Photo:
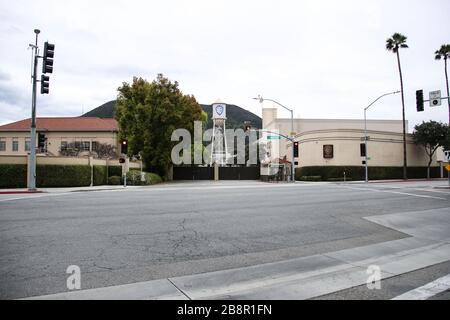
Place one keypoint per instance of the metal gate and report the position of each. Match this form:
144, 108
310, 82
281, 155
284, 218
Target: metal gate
193, 173
239, 173
207, 173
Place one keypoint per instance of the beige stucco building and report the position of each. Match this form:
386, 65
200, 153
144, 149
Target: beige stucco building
86, 132
341, 140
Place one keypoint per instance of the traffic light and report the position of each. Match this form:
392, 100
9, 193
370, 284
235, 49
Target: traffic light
47, 62
419, 100
362, 148
295, 149
124, 146
41, 141
247, 126
45, 84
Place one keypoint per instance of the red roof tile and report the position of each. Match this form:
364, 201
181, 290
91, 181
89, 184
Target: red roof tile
64, 124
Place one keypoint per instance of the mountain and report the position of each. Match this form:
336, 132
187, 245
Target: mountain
235, 114
106, 110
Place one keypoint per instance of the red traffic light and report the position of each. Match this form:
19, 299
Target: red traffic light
124, 146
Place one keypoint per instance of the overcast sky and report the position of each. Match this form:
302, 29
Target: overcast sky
324, 59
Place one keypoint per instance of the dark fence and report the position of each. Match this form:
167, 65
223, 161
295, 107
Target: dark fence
239, 173
207, 173
193, 173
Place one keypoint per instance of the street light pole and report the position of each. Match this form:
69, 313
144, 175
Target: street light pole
365, 132
261, 100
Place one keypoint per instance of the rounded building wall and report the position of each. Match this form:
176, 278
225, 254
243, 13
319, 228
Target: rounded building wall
383, 149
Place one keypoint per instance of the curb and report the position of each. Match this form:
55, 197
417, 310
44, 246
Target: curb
20, 192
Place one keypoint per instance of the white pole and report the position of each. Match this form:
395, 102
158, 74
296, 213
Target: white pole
365, 146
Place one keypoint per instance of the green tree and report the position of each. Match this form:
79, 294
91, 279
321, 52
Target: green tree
444, 53
394, 44
148, 113
446, 142
431, 135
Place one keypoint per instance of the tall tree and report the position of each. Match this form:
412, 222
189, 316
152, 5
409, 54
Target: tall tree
444, 53
394, 44
148, 113
431, 135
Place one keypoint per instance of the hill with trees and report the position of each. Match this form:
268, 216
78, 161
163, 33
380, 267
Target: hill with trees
235, 114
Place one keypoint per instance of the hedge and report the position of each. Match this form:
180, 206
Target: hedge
63, 176
15, 176
100, 177
114, 171
358, 172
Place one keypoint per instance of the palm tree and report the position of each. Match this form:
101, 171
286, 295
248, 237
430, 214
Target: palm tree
393, 44
444, 53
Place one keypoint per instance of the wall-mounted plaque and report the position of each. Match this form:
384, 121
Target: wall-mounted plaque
328, 152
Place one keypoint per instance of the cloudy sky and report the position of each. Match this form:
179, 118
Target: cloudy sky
324, 59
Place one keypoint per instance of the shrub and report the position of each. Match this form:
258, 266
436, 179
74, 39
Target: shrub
153, 178
134, 178
114, 180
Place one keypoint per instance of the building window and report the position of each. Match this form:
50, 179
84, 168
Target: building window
86, 146
94, 145
27, 145
328, 152
63, 145
2, 145
15, 145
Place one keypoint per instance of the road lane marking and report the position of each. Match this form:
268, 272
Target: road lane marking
427, 291
428, 190
396, 192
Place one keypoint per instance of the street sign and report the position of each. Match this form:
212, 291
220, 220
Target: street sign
447, 167
447, 155
435, 98
273, 137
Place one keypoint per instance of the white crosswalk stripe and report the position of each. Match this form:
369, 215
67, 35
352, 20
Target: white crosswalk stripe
427, 291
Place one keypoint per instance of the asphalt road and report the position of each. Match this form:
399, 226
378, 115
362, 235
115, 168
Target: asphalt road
126, 236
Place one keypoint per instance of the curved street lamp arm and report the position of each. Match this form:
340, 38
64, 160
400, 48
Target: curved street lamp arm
386, 94
264, 99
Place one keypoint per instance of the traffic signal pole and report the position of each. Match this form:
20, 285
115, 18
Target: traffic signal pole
32, 161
